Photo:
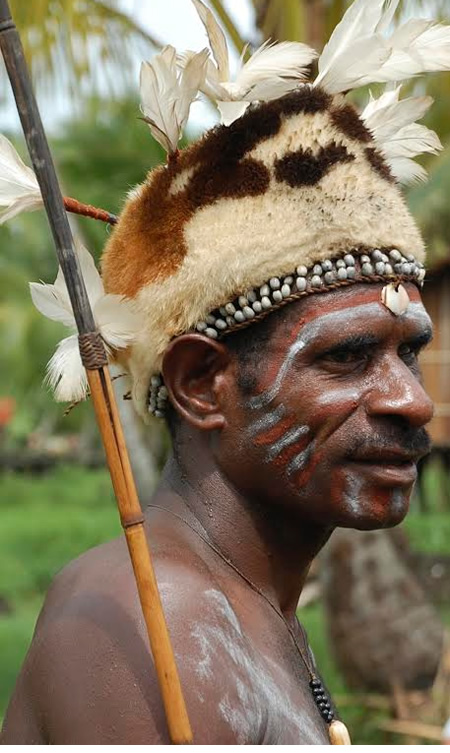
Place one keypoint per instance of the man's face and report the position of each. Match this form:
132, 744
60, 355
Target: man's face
334, 423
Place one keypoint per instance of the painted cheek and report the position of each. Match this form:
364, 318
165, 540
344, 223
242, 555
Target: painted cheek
282, 441
290, 453
274, 433
302, 469
300, 476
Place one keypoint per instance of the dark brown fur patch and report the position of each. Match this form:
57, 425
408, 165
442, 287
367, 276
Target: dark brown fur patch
246, 178
307, 100
347, 120
303, 168
378, 163
232, 143
148, 242
260, 122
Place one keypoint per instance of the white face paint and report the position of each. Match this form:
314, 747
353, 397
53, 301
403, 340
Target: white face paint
337, 320
352, 494
300, 461
288, 439
267, 421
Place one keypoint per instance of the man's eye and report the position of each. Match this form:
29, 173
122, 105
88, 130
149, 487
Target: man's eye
347, 356
344, 356
408, 353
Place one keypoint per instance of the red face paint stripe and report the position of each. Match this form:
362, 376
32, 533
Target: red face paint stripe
302, 477
275, 433
290, 452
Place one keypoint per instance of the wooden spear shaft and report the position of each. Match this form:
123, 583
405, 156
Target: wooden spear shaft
94, 358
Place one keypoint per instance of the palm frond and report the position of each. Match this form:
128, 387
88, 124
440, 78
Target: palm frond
69, 43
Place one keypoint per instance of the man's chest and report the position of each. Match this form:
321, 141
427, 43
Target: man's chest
255, 684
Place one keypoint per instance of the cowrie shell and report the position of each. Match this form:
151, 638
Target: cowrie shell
396, 299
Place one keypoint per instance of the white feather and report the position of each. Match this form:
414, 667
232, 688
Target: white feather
166, 96
231, 110
406, 171
116, 320
49, 302
387, 16
19, 189
345, 49
386, 118
360, 20
191, 78
211, 85
66, 374
53, 300
419, 46
264, 91
273, 70
272, 62
356, 66
90, 274
114, 316
216, 38
412, 140
398, 136
389, 96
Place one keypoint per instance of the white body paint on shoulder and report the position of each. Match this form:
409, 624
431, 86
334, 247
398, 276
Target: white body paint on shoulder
252, 701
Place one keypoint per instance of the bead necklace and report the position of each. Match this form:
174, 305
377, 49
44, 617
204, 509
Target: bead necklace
337, 730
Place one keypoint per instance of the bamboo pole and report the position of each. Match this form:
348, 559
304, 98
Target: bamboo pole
95, 361
133, 524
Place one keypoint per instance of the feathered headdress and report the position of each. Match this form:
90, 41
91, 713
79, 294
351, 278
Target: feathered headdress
295, 193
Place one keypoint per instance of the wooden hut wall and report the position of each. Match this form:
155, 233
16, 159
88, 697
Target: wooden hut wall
435, 361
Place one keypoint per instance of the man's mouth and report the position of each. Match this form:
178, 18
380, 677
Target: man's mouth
387, 467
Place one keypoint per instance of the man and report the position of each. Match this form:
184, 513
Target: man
284, 426
248, 498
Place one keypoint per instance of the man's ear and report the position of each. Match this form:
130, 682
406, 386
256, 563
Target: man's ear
196, 370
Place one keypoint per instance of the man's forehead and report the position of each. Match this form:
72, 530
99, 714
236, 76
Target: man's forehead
357, 303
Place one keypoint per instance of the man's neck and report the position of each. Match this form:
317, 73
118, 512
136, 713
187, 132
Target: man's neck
272, 547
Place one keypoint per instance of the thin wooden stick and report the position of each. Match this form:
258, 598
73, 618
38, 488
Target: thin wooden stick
132, 521
94, 359
87, 210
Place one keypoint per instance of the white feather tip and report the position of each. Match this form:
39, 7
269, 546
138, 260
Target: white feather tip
167, 93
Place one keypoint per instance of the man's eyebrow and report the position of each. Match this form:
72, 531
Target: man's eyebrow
353, 343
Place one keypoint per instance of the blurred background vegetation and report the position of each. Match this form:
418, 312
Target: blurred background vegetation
56, 498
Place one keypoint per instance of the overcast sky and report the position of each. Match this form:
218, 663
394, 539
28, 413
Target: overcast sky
170, 21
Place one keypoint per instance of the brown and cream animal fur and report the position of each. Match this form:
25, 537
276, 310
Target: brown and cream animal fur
294, 181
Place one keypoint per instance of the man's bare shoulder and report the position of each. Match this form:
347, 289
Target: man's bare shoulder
89, 676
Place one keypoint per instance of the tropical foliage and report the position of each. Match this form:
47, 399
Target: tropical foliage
100, 158
77, 47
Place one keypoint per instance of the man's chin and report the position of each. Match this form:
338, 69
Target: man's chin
383, 508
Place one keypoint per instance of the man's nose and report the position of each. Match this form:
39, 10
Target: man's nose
398, 391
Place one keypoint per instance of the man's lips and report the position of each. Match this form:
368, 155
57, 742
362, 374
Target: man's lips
387, 467
385, 456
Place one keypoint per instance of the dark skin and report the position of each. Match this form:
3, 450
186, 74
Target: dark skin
328, 433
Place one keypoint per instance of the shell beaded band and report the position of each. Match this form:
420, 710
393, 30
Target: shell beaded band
375, 266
